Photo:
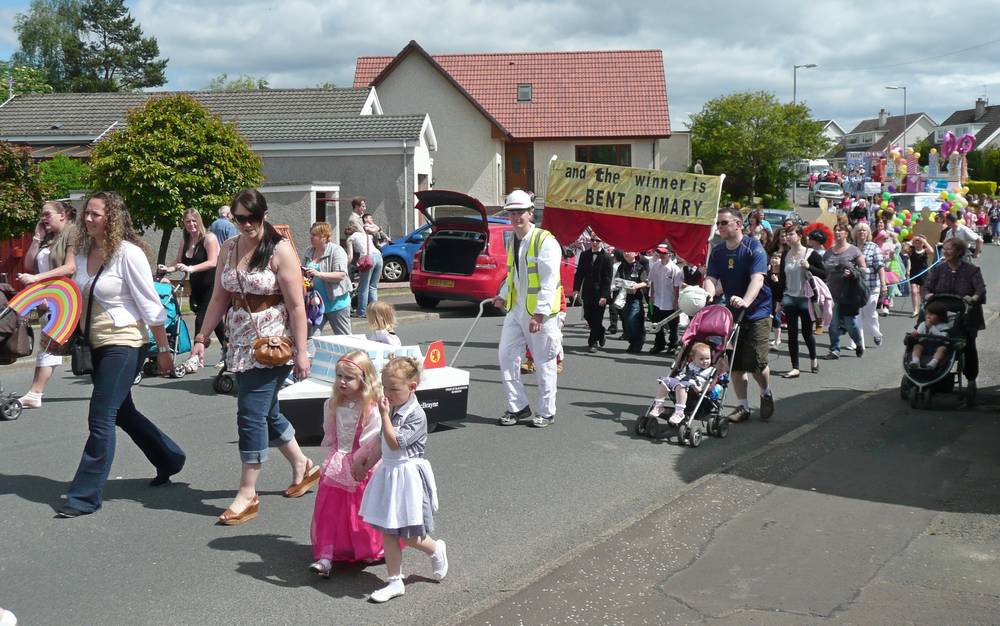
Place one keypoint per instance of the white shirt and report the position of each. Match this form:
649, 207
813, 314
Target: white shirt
125, 289
664, 279
549, 261
967, 235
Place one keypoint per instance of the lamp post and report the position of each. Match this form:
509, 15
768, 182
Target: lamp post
795, 78
903, 87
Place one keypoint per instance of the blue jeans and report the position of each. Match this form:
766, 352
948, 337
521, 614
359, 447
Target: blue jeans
850, 323
995, 229
257, 416
633, 318
111, 404
368, 284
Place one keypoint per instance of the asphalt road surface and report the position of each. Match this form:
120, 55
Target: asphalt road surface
516, 503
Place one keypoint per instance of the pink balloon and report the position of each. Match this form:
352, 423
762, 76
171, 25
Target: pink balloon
966, 144
948, 144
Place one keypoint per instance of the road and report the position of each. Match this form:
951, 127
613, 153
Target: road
518, 505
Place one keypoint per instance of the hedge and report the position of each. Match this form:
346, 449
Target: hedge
977, 187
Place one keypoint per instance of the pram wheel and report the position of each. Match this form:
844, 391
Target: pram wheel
642, 426
149, 368
138, 378
722, 427
223, 384
695, 437
920, 399
904, 388
11, 410
179, 371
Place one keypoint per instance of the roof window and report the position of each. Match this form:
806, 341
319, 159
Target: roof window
524, 93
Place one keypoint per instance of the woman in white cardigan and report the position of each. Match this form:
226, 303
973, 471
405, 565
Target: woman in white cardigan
111, 263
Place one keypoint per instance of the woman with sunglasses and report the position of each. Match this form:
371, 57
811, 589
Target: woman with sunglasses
259, 291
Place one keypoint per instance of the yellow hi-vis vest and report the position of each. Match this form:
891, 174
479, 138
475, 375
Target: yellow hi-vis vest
534, 243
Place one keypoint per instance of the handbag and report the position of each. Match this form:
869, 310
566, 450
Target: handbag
80, 352
365, 261
270, 351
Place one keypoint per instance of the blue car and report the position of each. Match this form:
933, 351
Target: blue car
397, 256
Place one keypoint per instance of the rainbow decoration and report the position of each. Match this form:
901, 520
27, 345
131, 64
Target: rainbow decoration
64, 301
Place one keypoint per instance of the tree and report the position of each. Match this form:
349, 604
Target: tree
755, 140
173, 155
116, 57
49, 38
24, 78
62, 174
21, 191
243, 82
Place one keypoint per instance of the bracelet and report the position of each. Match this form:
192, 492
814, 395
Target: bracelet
202, 339
38, 239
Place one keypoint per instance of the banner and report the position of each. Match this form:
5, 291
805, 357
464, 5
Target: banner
632, 208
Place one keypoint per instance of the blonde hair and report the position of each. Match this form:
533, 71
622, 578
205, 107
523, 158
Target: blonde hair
699, 346
201, 225
381, 315
357, 362
322, 229
404, 368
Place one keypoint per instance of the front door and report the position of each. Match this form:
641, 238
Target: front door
520, 170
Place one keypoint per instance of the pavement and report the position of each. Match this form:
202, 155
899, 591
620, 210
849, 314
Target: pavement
845, 507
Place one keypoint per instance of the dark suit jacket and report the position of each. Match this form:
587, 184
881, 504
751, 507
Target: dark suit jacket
593, 275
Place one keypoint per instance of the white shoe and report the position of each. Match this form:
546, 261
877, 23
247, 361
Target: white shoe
676, 418
7, 618
221, 364
390, 591
31, 400
439, 561
322, 567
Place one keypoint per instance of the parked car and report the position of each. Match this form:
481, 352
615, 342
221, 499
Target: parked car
831, 192
777, 217
464, 257
397, 255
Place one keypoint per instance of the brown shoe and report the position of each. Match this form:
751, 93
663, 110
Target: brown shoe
302, 487
739, 414
231, 518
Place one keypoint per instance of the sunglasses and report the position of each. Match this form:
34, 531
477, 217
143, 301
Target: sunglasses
245, 219
724, 222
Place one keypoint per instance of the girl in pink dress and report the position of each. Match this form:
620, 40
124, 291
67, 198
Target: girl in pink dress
351, 426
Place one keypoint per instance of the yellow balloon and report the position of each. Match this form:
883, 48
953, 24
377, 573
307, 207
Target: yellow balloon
944, 195
965, 190
916, 155
933, 150
909, 151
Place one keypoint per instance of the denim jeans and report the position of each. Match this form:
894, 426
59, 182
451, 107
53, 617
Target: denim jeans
111, 404
634, 323
257, 416
368, 284
850, 323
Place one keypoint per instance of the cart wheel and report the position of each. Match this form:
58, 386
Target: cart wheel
713, 425
696, 437
179, 371
138, 378
904, 388
642, 426
682, 434
723, 427
11, 410
223, 384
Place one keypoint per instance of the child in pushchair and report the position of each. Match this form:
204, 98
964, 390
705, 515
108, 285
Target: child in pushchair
943, 329
698, 381
930, 331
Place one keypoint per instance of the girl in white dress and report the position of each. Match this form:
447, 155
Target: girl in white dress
382, 323
401, 497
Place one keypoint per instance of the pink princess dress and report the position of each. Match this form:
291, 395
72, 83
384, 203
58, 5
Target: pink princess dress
338, 532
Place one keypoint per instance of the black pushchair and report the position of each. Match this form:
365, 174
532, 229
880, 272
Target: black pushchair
17, 340
920, 382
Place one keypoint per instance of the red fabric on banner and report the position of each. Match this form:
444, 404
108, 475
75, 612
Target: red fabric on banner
689, 241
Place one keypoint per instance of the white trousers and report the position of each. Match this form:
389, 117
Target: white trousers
545, 346
868, 319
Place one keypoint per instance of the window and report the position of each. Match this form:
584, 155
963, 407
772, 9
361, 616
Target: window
524, 93
614, 154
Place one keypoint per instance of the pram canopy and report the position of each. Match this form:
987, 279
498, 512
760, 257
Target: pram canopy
714, 321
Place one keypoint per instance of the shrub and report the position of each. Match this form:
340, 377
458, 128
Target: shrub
977, 187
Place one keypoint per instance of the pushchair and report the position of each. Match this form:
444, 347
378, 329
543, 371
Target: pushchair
178, 336
16, 341
919, 382
714, 326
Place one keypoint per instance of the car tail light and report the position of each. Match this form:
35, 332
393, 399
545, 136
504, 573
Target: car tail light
416, 259
485, 262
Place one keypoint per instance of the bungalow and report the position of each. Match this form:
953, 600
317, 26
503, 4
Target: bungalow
501, 117
317, 146
982, 121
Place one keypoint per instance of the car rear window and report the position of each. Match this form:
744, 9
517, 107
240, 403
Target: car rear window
829, 187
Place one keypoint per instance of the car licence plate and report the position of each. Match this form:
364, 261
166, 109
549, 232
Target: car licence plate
438, 282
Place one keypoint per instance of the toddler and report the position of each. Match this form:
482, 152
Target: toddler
382, 323
695, 376
934, 324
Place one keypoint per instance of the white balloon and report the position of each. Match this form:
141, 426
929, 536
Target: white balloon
692, 299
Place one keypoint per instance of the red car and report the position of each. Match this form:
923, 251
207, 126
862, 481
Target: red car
465, 255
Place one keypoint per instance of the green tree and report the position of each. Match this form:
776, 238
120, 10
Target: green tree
173, 155
49, 38
116, 57
754, 140
62, 174
24, 78
243, 82
21, 191
984, 164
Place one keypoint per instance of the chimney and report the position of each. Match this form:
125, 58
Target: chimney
883, 117
980, 109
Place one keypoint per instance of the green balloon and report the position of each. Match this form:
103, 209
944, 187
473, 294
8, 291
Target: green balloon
886, 195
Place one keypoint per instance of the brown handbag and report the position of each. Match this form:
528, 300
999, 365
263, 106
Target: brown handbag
270, 351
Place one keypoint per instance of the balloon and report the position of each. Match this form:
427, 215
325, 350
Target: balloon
907, 222
886, 195
949, 143
916, 155
966, 144
904, 233
892, 205
909, 151
897, 229
965, 190
892, 188
944, 195
884, 204
933, 150
951, 195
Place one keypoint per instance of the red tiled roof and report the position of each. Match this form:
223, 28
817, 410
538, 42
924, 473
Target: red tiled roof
594, 94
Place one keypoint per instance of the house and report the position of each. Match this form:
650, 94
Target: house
982, 121
832, 131
317, 146
501, 117
883, 132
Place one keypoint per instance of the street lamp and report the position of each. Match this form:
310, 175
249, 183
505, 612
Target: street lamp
795, 78
903, 87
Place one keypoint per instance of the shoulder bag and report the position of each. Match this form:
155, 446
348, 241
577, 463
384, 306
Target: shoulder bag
270, 351
365, 261
80, 351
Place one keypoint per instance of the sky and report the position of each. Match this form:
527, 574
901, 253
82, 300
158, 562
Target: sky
946, 53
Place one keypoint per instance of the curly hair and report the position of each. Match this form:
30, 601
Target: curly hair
118, 226
404, 368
